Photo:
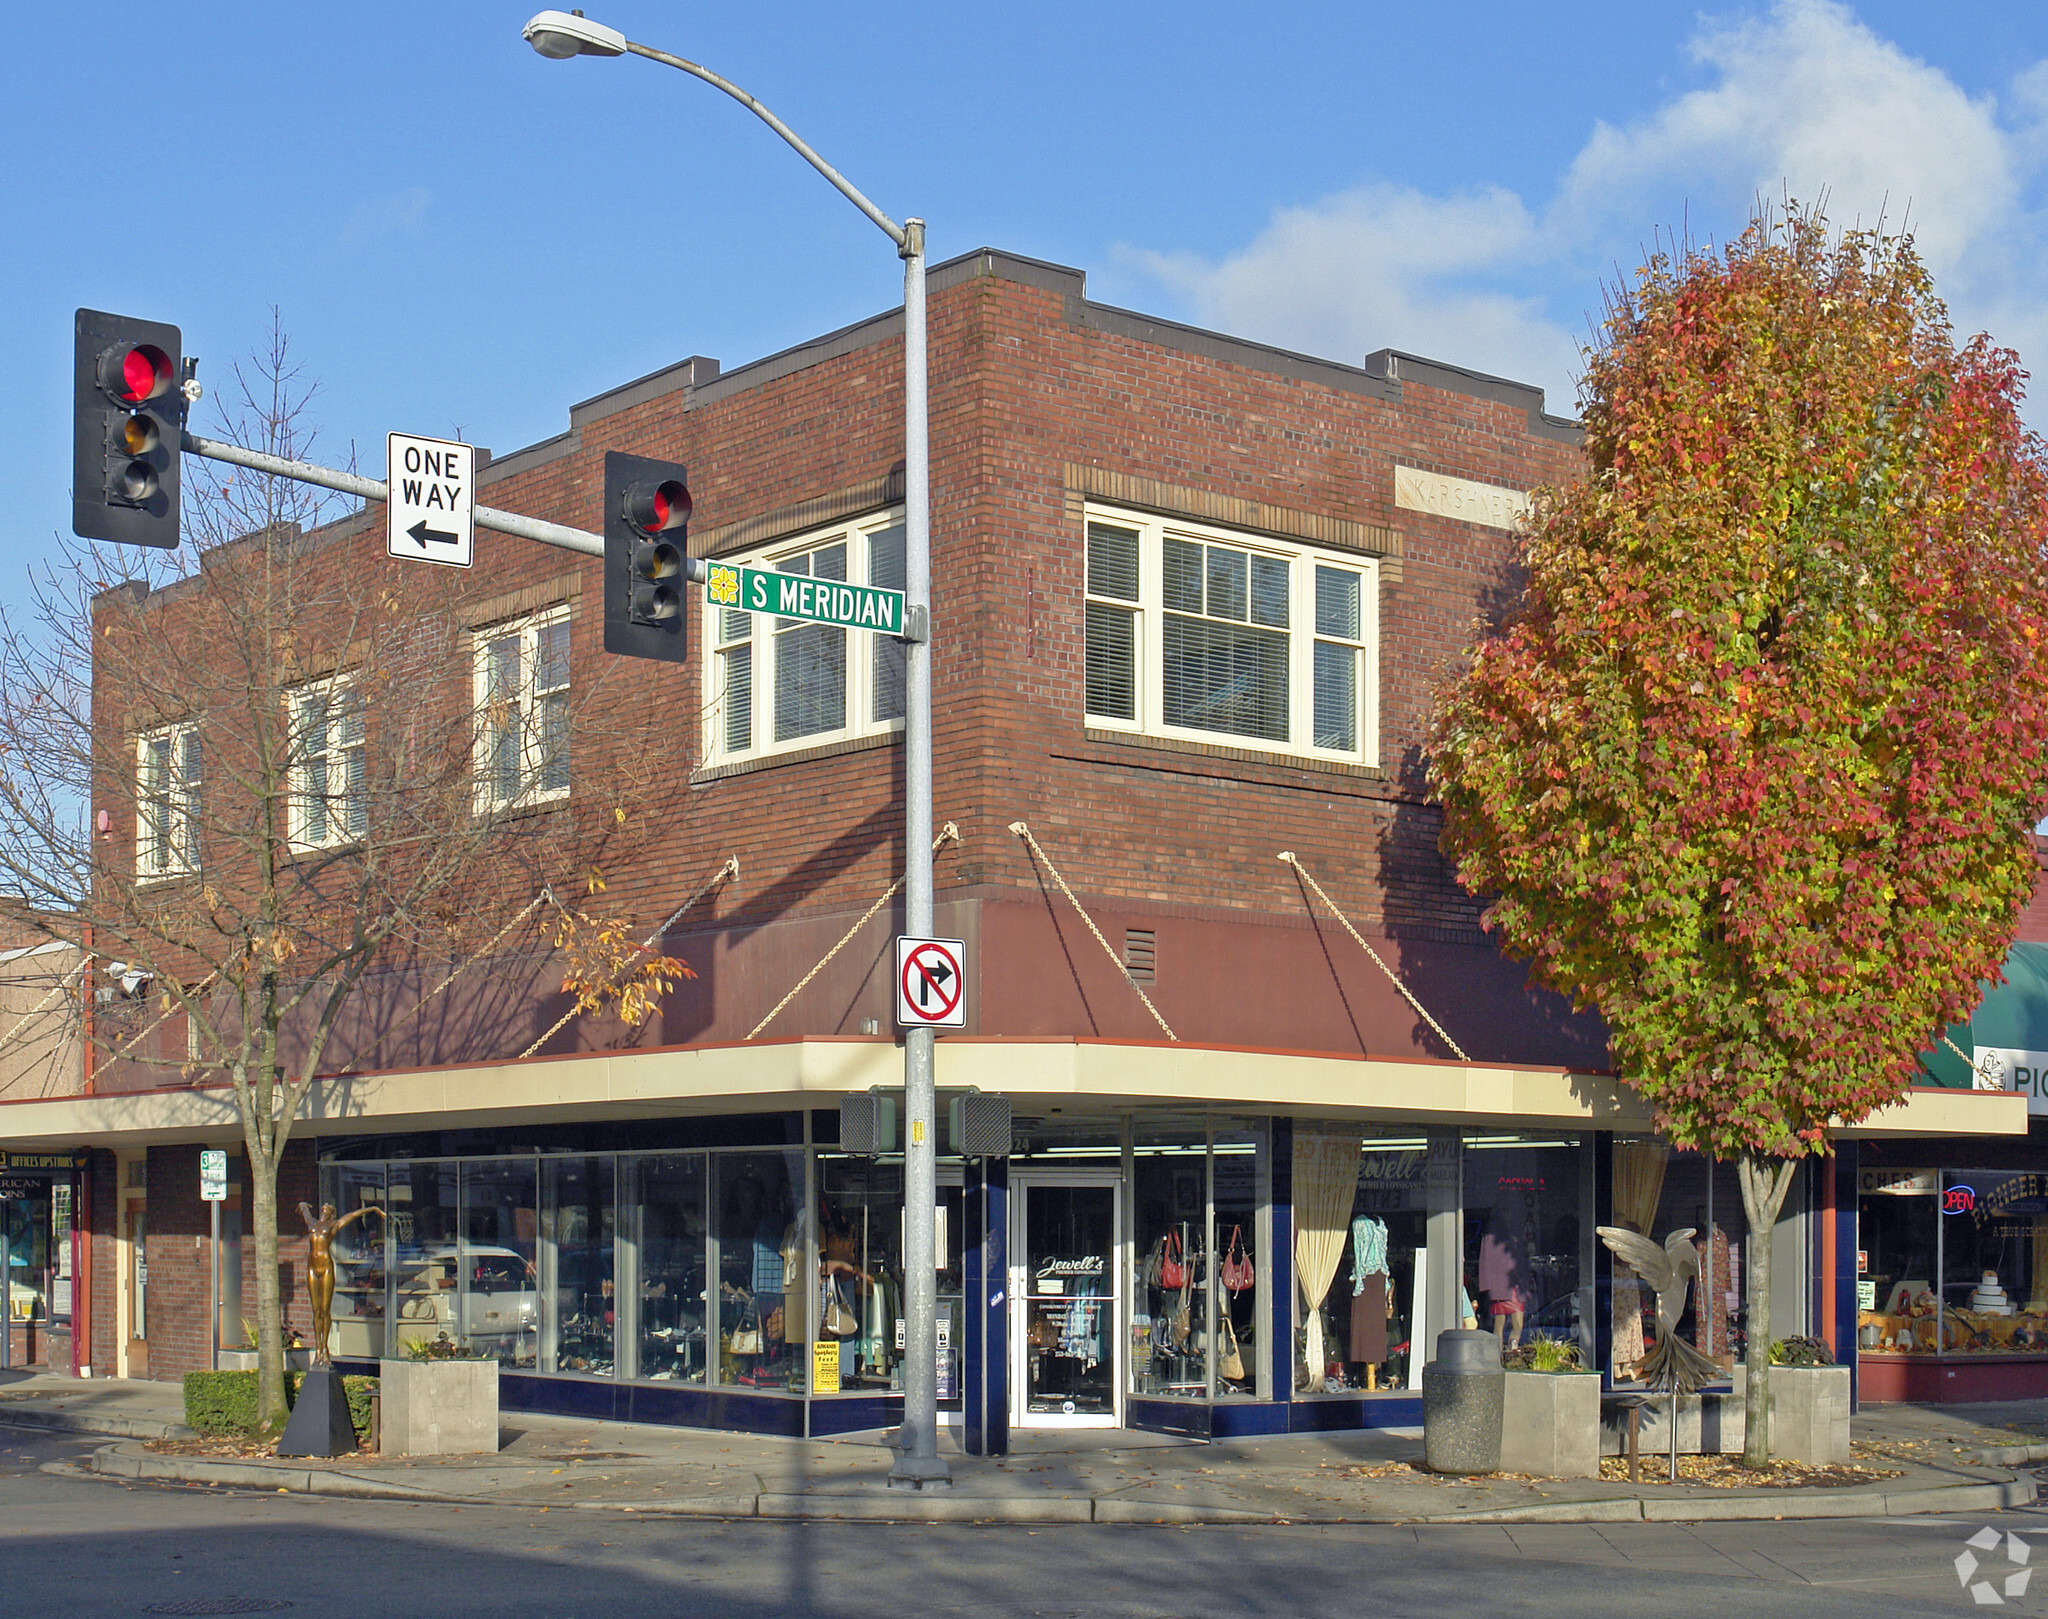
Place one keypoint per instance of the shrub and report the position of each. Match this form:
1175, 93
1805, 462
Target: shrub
442, 1347
1543, 1355
224, 1403
1800, 1352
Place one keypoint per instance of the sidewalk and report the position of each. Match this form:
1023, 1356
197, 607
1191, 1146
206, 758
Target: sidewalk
1948, 1463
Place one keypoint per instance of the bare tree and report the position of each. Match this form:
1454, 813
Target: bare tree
270, 765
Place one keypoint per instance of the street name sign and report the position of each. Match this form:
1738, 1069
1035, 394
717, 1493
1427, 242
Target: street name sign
213, 1175
931, 983
798, 596
428, 517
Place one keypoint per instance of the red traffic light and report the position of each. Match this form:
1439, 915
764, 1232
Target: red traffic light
653, 507
134, 375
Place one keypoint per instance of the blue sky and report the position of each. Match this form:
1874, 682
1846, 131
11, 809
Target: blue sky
465, 238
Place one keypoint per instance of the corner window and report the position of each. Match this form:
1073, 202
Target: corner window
522, 702
167, 802
779, 684
330, 791
1203, 633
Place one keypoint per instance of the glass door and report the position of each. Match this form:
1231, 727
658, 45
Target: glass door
1065, 1336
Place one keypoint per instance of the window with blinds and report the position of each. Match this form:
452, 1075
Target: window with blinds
330, 786
778, 684
1192, 631
167, 802
523, 716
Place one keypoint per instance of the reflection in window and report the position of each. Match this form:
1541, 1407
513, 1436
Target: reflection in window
582, 1305
670, 1212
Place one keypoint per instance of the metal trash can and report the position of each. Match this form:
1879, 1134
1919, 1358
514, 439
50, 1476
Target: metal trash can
1463, 1390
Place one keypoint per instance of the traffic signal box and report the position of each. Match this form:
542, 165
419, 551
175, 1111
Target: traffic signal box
646, 527
128, 418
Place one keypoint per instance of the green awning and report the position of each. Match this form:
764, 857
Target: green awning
2012, 1015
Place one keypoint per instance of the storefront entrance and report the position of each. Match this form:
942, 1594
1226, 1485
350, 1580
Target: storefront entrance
1066, 1298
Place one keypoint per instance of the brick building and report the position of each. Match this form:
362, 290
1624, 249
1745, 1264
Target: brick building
1191, 596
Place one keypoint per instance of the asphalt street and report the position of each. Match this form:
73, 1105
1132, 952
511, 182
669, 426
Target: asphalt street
85, 1546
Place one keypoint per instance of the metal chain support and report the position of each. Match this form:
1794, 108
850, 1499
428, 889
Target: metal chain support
1023, 831
947, 834
36, 1011
545, 897
1420, 1010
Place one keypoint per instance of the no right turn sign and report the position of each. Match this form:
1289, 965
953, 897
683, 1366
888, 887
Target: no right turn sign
931, 983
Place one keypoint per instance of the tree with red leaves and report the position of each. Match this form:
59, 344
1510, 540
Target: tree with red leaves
1752, 768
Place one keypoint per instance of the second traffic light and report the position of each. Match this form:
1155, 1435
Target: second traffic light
646, 557
127, 425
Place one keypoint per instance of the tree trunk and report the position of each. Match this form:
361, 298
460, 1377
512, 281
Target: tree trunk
1765, 1181
271, 1408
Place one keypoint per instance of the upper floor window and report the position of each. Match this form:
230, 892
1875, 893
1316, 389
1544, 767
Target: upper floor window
1203, 633
330, 790
522, 700
167, 802
774, 684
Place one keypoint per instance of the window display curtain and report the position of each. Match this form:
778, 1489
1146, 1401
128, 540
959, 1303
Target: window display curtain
1325, 1182
1638, 1185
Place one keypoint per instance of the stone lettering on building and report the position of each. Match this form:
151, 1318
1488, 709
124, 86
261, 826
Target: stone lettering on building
1461, 499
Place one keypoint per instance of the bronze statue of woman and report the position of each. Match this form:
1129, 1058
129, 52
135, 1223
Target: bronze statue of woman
320, 1233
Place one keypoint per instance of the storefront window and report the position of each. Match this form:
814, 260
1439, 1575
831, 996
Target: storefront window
28, 1256
360, 1290
1170, 1254
763, 1293
667, 1202
424, 1219
1525, 1235
860, 1263
1993, 1245
1237, 1192
577, 1268
1366, 1313
496, 1280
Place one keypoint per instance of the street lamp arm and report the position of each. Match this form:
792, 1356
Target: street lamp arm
896, 233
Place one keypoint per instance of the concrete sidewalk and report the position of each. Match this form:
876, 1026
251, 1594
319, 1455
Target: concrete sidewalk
1948, 1462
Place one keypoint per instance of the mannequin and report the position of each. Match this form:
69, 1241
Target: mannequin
1502, 1267
1372, 1300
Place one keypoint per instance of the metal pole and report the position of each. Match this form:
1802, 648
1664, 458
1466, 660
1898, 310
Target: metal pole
214, 1205
7, 1283
918, 1463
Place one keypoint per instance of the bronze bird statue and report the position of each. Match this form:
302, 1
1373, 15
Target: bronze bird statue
1674, 1364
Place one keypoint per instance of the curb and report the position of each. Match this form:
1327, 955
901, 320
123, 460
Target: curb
2009, 1455
122, 1461
45, 1421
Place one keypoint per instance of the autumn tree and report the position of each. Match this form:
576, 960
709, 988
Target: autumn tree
1752, 767
266, 766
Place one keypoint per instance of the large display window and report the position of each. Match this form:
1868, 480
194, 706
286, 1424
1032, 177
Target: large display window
1952, 1262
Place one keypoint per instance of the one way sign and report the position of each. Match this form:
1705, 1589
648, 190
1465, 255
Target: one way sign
930, 983
433, 492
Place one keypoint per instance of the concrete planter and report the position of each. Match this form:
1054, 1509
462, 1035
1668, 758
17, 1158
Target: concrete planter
1550, 1424
437, 1407
1810, 1414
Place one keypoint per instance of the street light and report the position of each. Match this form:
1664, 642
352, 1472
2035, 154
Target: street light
562, 34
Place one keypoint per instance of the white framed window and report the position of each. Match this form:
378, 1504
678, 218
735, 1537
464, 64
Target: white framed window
329, 781
1217, 636
777, 684
522, 708
167, 780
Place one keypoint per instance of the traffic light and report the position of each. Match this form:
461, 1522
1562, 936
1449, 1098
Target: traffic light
646, 525
128, 417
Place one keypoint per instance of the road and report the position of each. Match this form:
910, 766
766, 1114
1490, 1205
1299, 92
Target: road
82, 1546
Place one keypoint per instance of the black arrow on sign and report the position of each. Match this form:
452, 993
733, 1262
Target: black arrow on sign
440, 536
935, 977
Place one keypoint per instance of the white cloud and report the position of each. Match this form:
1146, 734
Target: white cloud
1384, 267
1804, 99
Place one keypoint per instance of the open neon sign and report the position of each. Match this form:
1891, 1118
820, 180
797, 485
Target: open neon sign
1959, 1200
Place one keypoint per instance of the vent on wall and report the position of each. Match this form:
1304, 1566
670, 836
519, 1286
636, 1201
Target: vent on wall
1139, 950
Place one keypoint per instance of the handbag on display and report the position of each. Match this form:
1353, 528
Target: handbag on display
1229, 1359
1173, 1267
1238, 1274
747, 1341
839, 1321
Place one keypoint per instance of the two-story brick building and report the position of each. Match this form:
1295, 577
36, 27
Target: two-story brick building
1191, 597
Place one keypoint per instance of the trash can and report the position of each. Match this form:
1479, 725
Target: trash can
1462, 1394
